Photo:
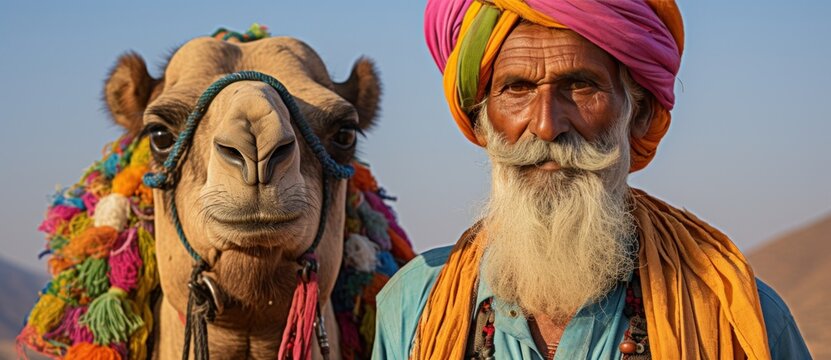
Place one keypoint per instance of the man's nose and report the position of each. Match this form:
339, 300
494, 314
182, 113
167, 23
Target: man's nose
549, 120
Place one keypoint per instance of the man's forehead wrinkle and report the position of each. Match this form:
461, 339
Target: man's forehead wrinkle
549, 68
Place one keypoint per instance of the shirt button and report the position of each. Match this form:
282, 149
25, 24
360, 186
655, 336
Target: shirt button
512, 313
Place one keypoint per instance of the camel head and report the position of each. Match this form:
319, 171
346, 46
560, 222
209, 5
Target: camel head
249, 190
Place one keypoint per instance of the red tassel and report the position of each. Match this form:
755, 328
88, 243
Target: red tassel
297, 336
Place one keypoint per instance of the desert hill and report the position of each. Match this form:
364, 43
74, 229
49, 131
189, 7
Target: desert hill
18, 292
798, 266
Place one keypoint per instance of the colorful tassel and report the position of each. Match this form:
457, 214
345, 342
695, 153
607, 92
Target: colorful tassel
110, 166
137, 345
57, 215
367, 328
125, 262
94, 241
29, 337
110, 318
47, 313
360, 253
90, 201
113, 210
141, 153
375, 224
128, 180
297, 335
87, 351
70, 328
149, 276
92, 273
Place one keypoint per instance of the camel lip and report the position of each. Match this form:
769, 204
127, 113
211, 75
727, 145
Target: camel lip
260, 222
265, 218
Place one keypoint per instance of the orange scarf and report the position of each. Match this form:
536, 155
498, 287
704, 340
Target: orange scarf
699, 292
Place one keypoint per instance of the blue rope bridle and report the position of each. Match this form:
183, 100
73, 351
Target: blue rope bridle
167, 178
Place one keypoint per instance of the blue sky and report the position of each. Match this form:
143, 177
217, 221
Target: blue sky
748, 148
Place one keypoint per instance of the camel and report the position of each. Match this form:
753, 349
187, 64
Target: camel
248, 195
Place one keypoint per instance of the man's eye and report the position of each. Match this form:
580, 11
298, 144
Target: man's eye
161, 139
579, 85
519, 87
345, 138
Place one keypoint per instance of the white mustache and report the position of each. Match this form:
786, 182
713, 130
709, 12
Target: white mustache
571, 151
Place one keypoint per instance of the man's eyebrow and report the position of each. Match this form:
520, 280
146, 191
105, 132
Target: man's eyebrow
581, 74
172, 112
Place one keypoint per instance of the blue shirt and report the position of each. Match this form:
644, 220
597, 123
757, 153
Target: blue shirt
595, 332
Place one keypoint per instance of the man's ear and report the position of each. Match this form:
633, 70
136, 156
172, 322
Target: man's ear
481, 139
643, 116
363, 91
127, 92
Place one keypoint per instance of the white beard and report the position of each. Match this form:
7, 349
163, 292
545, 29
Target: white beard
557, 240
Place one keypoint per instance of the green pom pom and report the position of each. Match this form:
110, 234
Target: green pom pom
258, 31
93, 275
110, 318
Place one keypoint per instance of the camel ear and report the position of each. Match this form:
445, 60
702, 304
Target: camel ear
362, 90
127, 92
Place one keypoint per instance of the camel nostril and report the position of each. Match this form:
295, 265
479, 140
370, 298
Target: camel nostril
234, 157
277, 156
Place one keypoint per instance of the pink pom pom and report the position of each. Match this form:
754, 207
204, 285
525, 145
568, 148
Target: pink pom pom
89, 202
125, 261
57, 215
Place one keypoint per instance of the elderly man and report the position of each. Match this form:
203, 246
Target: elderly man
568, 97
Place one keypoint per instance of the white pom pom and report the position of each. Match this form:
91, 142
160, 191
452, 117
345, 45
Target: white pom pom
112, 210
361, 253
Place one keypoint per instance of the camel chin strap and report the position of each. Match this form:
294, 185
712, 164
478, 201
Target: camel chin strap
204, 303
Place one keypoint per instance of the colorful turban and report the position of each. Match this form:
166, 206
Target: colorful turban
464, 37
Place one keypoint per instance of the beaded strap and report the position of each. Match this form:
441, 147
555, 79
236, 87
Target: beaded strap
635, 344
480, 343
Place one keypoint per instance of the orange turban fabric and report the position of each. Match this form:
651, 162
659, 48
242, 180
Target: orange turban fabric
464, 37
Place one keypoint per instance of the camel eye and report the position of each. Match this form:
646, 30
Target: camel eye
346, 138
161, 139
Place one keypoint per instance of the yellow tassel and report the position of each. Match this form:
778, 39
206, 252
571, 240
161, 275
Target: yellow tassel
148, 281
75, 226
138, 340
367, 328
141, 154
87, 351
79, 224
47, 313
65, 285
149, 275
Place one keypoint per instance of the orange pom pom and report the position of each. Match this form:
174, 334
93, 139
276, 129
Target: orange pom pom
87, 351
363, 179
374, 286
400, 248
94, 241
128, 180
59, 264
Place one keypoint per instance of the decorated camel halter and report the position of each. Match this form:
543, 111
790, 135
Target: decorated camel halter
203, 301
